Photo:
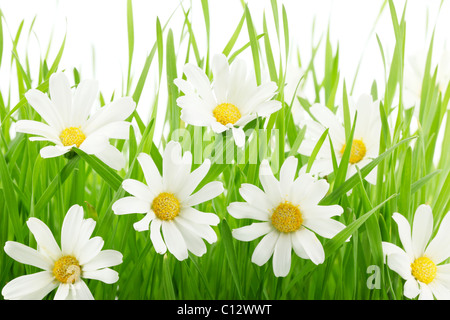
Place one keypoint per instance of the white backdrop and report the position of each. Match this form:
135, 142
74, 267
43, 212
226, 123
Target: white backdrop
100, 26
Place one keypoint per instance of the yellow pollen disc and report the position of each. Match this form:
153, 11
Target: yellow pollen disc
166, 206
287, 217
357, 152
226, 113
67, 269
72, 136
423, 269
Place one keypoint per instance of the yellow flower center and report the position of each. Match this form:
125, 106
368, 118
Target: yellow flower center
67, 269
226, 113
357, 152
72, 136
166, 206
423, 269
287, 217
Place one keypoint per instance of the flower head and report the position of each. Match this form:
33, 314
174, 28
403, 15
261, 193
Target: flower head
365, 145
230, 102
80, 256
167, 202
420, 260
70, 123
290, 216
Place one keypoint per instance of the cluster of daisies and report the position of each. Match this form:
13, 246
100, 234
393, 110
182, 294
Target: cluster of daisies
286, 211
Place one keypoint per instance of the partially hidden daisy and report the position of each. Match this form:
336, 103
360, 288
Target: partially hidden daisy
366, 139
289, 215
80, 256
167, 202
230, 102
414, 73
70, 123
421, 262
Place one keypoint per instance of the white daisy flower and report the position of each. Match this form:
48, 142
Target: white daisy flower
414, 73
167, 202
420, 262
290, 216
79, 257
366, 138
70, 124
230, 102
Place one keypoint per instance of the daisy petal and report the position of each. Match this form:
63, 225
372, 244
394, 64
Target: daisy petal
83, 101
174, 240
70, 230
311, 245
105, 275
111, 157
104, 259
44, 238
27, 255
54, 151
208, 192
151, 173
287, 174
137, 189
42, 104
282, 255
40, 284
156, 238
243, 210
404, 231
144, 223
439, 248
61, 95
326, 228
422, 229
37, 128
130, 204
253, 231
200, 217
411, 288
265, 248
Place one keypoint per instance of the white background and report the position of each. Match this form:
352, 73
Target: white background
100, 26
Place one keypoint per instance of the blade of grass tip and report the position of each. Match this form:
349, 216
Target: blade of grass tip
346, 111
276, 19
160, 46
254, 45
205, 8
230, 44
1, 37
57, 60
192, 40
240, 50
335, 243
316, 150
269, 55
173, 111
130, 32
286, 32
230, 254
423, 181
